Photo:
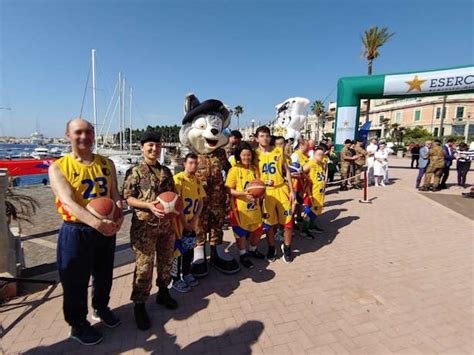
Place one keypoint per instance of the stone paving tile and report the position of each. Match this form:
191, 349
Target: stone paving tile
391, 277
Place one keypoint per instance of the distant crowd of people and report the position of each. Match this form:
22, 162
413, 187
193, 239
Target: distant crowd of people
434, 161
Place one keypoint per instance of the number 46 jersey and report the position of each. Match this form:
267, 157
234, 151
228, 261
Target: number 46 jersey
270, 165
88, 181
192, 193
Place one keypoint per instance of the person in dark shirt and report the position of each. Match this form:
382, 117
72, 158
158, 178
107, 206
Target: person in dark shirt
415, 155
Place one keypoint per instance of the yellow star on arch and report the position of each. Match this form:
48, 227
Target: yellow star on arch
415, 84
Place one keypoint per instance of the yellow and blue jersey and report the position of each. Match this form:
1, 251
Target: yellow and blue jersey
89, 181
270, 166
244, 214
318, 181
192, 193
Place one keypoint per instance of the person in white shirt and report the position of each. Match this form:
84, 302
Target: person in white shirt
380, 165
371, 149
422, 162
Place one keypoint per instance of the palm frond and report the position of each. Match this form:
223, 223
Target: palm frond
20, 207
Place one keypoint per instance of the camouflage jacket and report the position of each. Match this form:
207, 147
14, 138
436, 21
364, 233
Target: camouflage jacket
210, 167
345, 152
436, 157
145, 183
363, 153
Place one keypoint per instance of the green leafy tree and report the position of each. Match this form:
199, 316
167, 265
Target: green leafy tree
372, 40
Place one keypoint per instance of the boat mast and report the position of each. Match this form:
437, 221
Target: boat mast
120, 83
130, 109
123, 114
94, 104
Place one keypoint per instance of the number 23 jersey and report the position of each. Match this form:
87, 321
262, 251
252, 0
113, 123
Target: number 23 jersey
88, 181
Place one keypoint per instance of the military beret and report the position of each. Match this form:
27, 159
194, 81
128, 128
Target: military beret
150, 136
204, 107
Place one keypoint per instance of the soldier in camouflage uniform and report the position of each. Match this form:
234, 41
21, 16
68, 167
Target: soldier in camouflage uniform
150, 233
346, 158
435, 167
359, 163
202, 132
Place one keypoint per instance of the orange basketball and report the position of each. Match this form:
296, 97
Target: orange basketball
102, 208
170, 203
256, 188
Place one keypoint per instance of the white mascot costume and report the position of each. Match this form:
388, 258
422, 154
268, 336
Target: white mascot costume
202, 132
290, 117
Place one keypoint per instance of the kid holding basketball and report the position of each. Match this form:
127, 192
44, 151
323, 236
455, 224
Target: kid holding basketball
245, 213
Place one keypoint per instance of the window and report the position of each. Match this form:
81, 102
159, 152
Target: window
417, 115
438, 113
381, 120
459, 112
435, 133
332, 125
398, 117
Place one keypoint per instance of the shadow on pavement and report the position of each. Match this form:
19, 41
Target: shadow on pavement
158, 340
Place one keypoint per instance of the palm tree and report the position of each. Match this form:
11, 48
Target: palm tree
238, 110
318, 109
397, 133
372, 40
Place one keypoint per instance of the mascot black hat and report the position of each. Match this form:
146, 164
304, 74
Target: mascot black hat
208, 106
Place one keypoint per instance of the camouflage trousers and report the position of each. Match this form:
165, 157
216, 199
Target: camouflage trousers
149, 240
345, 170
432, 172
211, 221
358, 169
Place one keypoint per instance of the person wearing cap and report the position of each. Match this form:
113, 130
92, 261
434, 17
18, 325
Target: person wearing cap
346, 159
371, 149
151, 235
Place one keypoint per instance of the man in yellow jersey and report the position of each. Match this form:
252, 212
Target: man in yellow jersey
151, 235
86, 244
245, 213
313, 206
192, 193
279, 195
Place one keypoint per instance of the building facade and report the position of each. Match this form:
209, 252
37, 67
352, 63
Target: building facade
426, 112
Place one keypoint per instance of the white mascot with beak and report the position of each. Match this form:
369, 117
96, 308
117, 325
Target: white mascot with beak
202, 132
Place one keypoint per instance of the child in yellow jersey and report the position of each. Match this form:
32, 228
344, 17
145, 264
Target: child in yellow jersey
245, 212
315, 203
279, 195
298, 159
192, 193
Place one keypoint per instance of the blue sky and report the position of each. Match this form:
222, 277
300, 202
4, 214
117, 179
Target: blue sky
249, 53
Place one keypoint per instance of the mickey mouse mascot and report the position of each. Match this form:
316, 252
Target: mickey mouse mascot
202, 132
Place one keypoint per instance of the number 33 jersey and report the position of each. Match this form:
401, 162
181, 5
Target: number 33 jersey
88, 181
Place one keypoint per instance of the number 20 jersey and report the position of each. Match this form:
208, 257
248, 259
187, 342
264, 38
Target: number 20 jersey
87, 181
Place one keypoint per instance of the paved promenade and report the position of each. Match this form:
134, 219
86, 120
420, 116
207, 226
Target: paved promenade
394, 276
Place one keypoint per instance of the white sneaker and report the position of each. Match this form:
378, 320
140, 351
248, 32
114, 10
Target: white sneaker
382, 184
181, 286
190, 280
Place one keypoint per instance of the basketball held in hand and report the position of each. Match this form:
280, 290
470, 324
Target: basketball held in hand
104, 208
170, 204
256, 188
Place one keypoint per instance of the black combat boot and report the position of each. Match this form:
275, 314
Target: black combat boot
163, 297
141, 316
225, 266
